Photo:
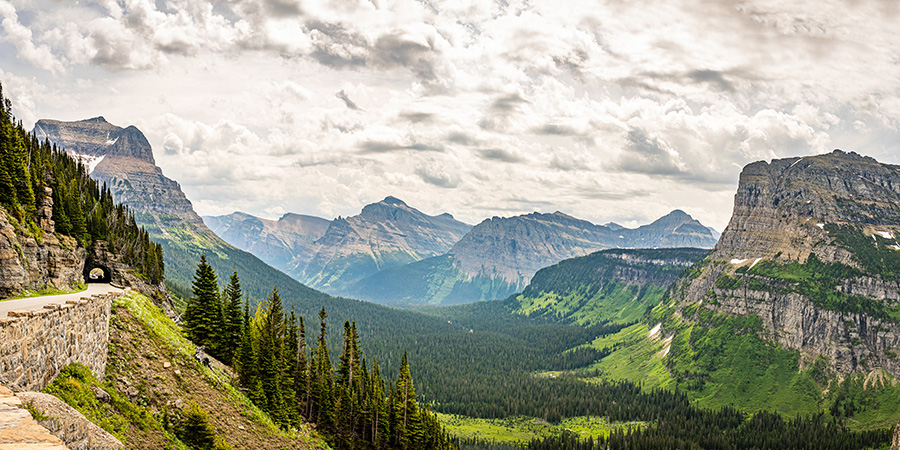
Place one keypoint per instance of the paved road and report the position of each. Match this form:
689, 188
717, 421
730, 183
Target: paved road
35, 303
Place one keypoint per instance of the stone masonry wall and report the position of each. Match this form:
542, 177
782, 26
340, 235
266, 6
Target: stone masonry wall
36, 345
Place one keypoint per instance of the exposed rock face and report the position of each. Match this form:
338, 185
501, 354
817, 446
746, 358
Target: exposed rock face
96, 137
28, 262
514, 248
18, 430
276, 242
781, 213
385, 234
66, 423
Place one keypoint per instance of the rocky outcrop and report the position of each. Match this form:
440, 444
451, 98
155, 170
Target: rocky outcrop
895, 440
37, 259
66, 423
783, 212
276, 242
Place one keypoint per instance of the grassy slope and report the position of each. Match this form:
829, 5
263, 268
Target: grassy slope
142, 341
592, 289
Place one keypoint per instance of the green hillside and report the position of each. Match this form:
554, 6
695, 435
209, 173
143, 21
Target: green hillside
615, 286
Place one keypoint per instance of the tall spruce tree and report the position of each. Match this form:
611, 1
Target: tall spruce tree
271, 358
203, 313
232, 318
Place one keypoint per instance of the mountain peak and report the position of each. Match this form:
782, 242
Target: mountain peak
391, 200
98, 119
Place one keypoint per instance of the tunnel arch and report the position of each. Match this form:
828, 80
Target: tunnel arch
97, 273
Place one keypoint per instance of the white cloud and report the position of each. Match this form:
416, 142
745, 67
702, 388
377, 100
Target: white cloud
620, 111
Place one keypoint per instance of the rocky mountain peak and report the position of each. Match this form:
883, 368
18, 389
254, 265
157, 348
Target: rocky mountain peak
390, 200
96, 138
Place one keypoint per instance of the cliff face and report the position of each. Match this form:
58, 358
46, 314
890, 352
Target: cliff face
31, 260
811, 250
96, 137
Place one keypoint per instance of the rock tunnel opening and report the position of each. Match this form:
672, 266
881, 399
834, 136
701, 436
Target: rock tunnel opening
97, 273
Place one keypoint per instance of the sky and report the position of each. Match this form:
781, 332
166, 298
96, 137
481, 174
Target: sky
606, 110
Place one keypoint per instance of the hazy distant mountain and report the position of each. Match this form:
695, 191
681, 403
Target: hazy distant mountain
499, 256
385, 234
276, 242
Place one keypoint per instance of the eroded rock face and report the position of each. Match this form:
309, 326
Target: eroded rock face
96, 137
781, 213
29, 262
276, 242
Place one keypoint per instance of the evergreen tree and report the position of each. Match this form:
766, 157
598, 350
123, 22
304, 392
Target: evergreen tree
271, 358
232, 318
203, 316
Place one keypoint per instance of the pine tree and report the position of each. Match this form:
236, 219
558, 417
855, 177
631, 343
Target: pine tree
271, 358
203, 311
231, 316
322, 389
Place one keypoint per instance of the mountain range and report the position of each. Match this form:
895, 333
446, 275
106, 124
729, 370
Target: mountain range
394, 254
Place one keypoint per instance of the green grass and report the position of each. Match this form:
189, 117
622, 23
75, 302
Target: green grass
74, 387
617, 302
637, 358
47, 290
520, 430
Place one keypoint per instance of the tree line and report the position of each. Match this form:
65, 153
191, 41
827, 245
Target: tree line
353, 406
82, 208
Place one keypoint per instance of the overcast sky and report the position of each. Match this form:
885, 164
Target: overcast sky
606, 110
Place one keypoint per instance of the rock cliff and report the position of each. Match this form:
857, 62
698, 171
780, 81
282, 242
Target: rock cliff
36, 259
811, 250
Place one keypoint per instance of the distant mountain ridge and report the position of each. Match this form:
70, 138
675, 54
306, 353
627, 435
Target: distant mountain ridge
498, 257
393, 253
276, 242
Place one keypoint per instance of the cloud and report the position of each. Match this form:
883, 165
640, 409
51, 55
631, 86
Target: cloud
369, 147
350, 104
21, 37
660, 108
501, 155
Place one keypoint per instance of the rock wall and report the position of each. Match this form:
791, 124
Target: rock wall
30, 263
36, 345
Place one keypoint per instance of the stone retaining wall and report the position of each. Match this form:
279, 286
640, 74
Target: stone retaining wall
36, 345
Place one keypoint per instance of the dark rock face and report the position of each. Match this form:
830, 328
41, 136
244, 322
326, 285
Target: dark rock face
781, 211
96, 137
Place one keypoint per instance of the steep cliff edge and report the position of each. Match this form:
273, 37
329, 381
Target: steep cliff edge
811, 251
